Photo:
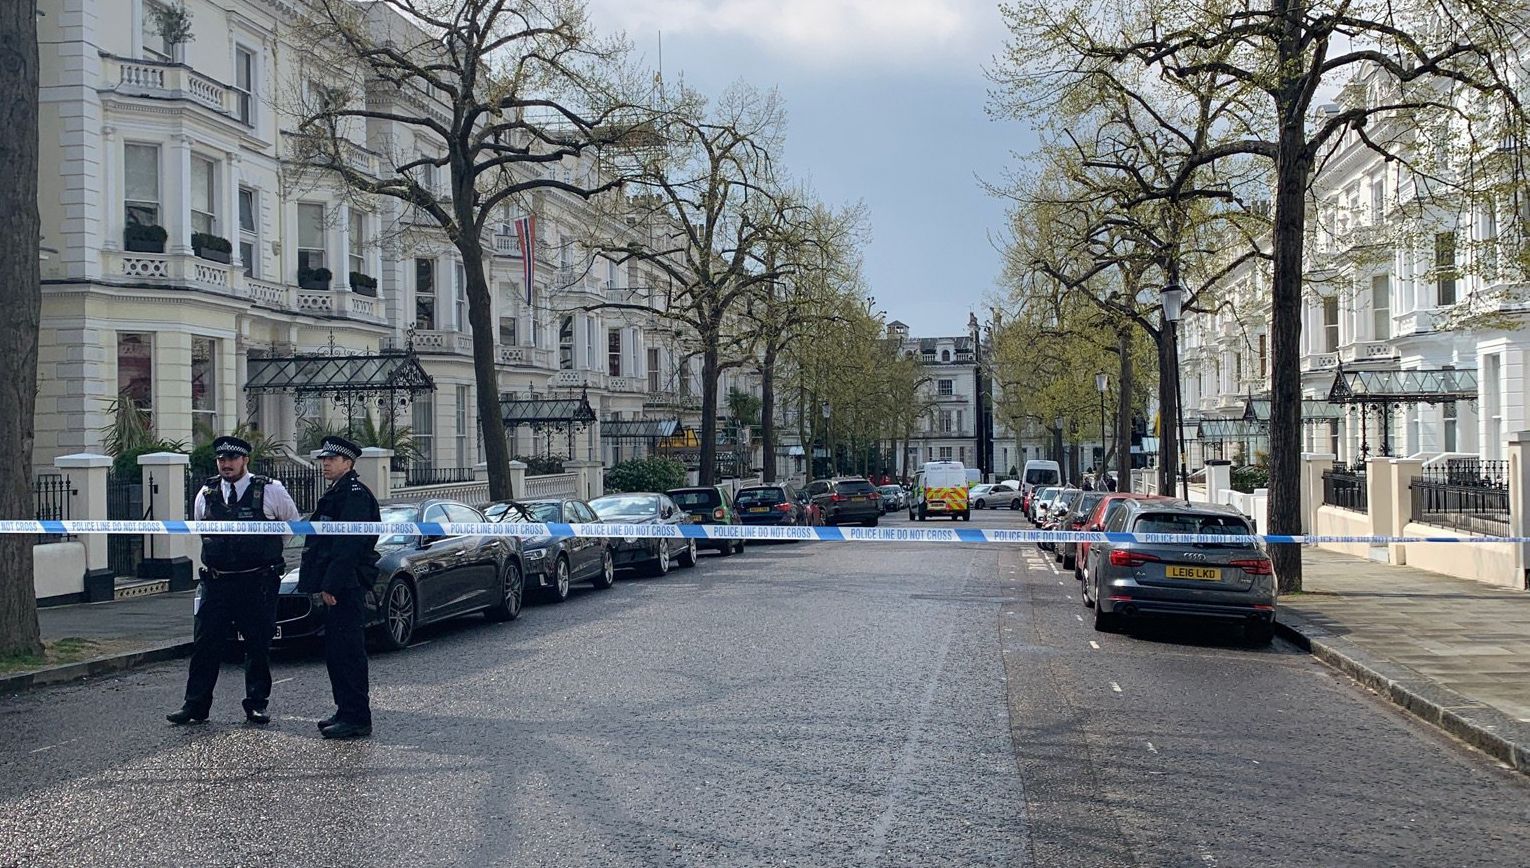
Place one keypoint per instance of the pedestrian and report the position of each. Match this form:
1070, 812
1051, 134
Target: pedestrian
339, 568
241, 574
1110, 482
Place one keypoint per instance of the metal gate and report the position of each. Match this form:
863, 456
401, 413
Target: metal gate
124, 502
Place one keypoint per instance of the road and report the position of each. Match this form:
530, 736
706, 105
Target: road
801, 705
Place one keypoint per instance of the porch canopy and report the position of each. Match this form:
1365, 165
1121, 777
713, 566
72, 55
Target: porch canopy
388, 372
546, 410
637, 429
1421, 386
1230, 429
1256, 408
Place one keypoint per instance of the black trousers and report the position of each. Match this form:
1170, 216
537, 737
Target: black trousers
248, 602
345, 655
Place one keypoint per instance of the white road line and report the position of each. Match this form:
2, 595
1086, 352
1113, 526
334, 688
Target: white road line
282, 681
1059, 581
1116, 687
1152, 749
1092, 644
1080, 618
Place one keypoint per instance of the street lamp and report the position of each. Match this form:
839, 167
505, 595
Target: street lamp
1173, 297
828, 444
1101, 383
1057, 423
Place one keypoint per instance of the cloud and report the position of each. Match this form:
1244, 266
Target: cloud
817, 32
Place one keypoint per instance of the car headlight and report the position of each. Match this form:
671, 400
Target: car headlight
536, 554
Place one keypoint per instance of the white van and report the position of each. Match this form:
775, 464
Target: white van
1040, 474
940, 488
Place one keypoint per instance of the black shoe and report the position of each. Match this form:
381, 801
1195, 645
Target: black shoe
185, 716
329, 721
257, 716
347, 730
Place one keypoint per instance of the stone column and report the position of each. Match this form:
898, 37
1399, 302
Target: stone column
518, 479
167, 556
1403, 472
342, 268
230, 216
112, 217
1218, 479
178, 202
1380, 504
590, 485
87, 474
1518, 455
374, 468
1313, 465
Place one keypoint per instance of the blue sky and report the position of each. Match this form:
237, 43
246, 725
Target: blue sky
885, 100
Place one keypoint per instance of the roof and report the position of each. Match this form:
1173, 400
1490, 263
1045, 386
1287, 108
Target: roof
650, 429
530, 411
1422, 385
1257, 409
1230, 429
387, 371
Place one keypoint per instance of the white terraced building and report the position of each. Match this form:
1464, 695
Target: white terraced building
191, 138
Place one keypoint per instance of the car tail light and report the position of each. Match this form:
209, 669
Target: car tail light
719, 514
836, 497
1078, 523
876, 496
1254, 566
783, 507
1124, 558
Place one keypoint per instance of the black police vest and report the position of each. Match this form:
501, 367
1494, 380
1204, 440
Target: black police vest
234, 552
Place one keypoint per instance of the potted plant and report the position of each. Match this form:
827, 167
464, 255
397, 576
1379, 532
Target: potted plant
213, 247
144, 238
363, 284
314, 278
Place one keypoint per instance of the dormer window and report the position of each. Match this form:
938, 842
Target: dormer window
945, 355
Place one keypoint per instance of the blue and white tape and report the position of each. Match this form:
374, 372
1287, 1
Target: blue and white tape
697, 531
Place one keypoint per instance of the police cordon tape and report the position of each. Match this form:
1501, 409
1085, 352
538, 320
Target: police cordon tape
694, 531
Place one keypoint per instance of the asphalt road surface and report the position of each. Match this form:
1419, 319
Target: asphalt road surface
799, 705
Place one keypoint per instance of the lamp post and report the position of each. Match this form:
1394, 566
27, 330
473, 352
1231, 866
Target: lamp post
828, 444
1102, 383
1057, 441
1173, 297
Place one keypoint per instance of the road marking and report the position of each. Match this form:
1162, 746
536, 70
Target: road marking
52, 746
1080, 618
1152, 749
421, 644
1059, 581
282, 681
1092, 644
1116, 687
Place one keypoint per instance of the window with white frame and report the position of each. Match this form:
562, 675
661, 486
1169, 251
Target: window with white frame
244, 85
1331, 324
310, 236
1378, 199
204, 387
944, 388
204, 196
945, 453
141, 185
566, 344
155, 45
464, 458
423, 428
1381, 307
425, 294
653, 370
249, 234
1448, 413
358, 241
1489, 240
614, 352
1445, 268
945, 421
459, 297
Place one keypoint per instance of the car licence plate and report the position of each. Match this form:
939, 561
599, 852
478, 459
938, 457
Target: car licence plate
857, 499
759, 509
1199, 574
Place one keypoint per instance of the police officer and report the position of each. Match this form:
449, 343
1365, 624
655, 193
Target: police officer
241, 575
340, 569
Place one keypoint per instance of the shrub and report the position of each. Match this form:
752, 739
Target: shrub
141, 232
360, 281
645, 474
206, 241
1246, 479
541, 465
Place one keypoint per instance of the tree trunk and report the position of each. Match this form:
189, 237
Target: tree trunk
1291, 171
21, 295
768, 415
1168, 417
491, 418
1124, 414
709, 374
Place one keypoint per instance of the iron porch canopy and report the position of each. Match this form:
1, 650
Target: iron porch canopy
1421, 386
638, 429
1230, 429
386, 372
1257, 409
546, 411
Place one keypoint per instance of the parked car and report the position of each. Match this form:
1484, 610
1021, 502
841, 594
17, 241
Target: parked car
1057, 512
847, 499
653, 555
1231, 582
710, 504
554, 563
777, 505
1104, 508
420, 579
892, 498
810, 508
1040, 501
994, 496
1078, 515
940, 488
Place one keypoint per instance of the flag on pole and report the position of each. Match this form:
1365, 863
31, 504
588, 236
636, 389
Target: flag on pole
526, 233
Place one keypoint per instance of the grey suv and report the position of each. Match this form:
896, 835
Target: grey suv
850, 499
1231, 582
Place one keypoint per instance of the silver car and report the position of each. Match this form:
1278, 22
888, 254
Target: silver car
1041, 503
1231, 582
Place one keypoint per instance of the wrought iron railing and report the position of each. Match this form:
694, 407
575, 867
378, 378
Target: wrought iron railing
1466, 494
51, 495
1345, 487
124, 501
424, 474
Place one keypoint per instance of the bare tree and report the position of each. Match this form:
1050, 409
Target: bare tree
21, 295
499, 90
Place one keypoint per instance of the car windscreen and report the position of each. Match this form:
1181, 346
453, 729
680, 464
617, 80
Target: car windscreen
761, 496
890, 489
1088, 502
626, 506
856, 486
1041, 476
1070, 498
693, 500
1189, 522
546, 511
1046, 494
392, 514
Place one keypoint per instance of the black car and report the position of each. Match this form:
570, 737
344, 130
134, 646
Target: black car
653, 555
553, 563
710, 504
850, 499
421, 579
779, 505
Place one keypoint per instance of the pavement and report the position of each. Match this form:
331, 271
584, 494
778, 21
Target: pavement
806, 705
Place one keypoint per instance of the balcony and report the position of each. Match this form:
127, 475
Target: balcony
184, 271
444, 342
1367, 351
159, 80
1320, 361
355, 156
577, 380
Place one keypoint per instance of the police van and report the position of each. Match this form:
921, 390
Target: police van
940, 488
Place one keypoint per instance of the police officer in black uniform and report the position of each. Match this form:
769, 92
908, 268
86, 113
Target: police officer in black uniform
340, 569
241, 575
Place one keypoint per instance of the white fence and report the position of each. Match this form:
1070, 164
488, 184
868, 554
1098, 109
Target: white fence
477, 493
554, 485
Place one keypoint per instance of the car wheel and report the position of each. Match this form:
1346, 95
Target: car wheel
911, 514
607, 576
727, 548
559, 590
1069, 562
399, 611
689, 558
660, 565
509, 606
1014, 504
979, 504
922, 513
1259, 633
1105, 622
872, 523
739, 547
1084, 592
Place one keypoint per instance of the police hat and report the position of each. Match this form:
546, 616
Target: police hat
339, 446
231, 447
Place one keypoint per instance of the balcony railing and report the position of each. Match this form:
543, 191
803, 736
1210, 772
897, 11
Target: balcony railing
443, 341
1361, 351
164, 81
1320, 361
